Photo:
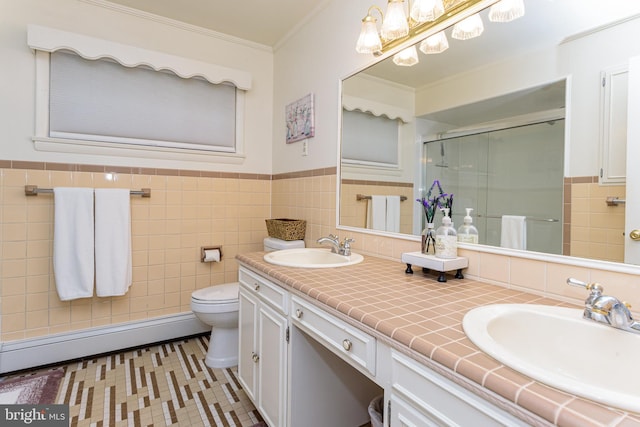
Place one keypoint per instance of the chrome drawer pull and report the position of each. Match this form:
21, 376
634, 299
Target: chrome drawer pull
299, 313
255, 357
346, 344
256, 286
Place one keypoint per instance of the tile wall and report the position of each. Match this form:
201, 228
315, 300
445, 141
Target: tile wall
190, 209
187, 210
597, 230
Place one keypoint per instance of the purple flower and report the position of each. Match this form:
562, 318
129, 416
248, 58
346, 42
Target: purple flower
431, 203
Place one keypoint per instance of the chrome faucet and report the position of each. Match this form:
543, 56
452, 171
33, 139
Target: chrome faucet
606, 309
343, 248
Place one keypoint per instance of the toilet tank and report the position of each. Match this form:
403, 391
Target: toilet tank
273, 244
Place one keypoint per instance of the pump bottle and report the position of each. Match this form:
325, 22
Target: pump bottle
446, 238
467, 233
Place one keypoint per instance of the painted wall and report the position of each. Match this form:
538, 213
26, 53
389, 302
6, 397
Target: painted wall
17, 101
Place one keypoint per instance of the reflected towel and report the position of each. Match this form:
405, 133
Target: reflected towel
379, 212
393, 214
73, 242
514, 232
113, 241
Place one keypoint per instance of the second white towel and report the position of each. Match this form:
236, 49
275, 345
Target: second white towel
393, 214
514, 232
112, 241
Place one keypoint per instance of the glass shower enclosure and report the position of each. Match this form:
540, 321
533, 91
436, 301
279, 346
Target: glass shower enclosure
513, 171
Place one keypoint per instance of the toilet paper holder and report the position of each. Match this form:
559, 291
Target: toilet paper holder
203, 252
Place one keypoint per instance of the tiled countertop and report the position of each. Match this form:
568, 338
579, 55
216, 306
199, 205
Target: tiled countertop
422, 317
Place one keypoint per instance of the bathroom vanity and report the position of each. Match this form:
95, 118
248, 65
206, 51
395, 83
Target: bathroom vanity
317, 345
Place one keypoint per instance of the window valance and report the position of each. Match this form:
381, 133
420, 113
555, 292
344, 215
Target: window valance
50, 40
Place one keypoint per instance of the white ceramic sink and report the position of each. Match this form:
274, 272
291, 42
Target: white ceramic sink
311, 258
557, 347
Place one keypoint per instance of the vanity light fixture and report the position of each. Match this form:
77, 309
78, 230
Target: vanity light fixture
397, 28
406, 57
506, 10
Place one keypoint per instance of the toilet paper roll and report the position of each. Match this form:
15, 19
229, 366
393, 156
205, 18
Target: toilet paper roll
212, 255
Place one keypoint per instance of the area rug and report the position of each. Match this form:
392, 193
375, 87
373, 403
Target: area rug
36, 389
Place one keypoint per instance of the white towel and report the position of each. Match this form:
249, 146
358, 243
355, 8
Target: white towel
113, 241
393, 214
379, 212
514, 232
73, 242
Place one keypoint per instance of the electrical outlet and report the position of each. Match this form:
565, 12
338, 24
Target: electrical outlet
305, 148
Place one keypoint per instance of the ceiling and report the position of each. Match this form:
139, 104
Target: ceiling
259, 21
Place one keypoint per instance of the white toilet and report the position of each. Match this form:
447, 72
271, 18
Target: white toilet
217, 306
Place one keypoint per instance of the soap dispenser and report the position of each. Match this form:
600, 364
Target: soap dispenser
446, 238
467, 233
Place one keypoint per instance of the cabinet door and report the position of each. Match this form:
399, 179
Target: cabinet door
403, 414
247, 353
272, 366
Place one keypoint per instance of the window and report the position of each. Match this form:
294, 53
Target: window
369, 139
100, 100
93, 96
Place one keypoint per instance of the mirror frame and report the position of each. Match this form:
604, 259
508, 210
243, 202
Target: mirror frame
480, 248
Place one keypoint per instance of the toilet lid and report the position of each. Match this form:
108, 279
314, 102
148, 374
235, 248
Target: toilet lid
217, 294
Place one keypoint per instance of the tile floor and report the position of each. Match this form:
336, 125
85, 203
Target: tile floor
162, 385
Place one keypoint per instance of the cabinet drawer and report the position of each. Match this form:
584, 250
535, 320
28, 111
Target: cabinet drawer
267, 291
353, 345
441, 400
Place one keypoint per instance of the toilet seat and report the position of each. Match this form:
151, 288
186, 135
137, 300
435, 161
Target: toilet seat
218, 294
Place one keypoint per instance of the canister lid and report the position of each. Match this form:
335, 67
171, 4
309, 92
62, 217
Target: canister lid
273, 243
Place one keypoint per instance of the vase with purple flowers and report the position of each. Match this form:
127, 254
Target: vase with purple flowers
430, 204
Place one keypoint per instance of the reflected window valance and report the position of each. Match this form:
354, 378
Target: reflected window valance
353, 103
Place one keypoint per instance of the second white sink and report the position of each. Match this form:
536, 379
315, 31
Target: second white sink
557, 347
311, 258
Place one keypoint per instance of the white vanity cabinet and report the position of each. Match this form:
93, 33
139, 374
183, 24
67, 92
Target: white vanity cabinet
323, 371
419, 397
263, 355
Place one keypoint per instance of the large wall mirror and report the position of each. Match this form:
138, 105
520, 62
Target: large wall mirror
527, 120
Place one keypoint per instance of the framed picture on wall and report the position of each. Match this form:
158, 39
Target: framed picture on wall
299, 117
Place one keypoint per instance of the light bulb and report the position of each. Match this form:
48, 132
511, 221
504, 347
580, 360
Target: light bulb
468, 28
394, 23
369, 40
406, 57
436, 43
506, 10
426, 10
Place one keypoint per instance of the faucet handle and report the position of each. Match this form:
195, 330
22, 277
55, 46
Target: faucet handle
593, 287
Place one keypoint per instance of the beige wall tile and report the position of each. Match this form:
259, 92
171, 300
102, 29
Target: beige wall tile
494, 268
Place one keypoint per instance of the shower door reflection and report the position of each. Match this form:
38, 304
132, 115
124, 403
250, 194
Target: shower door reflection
514, 171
